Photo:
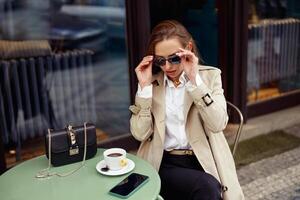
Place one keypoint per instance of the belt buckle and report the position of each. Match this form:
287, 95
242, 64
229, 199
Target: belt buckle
188, 152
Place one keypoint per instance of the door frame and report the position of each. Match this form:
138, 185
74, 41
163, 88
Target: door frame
233, 37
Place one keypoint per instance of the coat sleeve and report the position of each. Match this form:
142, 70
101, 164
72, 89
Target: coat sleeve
141, 124
214, 116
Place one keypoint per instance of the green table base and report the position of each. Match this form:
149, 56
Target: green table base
19, 183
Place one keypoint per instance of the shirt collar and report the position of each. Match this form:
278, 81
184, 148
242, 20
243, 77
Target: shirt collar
169, 83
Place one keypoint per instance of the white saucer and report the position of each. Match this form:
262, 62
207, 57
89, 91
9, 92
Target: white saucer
130, 166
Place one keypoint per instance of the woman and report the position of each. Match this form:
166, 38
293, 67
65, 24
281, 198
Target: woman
179, 115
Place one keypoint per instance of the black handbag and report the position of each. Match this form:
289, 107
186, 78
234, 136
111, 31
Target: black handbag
69, 145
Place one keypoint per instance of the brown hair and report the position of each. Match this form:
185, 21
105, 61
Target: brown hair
168, 29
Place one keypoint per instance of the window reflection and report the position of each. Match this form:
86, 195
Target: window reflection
273, 49
84, 77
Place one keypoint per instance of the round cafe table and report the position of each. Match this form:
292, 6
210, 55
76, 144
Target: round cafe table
19, 183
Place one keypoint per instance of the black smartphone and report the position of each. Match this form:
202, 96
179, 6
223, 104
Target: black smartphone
129, 185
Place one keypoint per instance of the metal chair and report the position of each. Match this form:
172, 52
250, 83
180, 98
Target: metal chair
239, 130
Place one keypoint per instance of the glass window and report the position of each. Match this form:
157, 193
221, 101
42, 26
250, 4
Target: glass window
70, 67
273, 49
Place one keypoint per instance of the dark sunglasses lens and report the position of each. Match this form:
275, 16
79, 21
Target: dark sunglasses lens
174, 59
159, 61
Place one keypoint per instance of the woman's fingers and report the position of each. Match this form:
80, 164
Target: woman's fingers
188, 55
144, 71
144, 63
149, 58
184, 52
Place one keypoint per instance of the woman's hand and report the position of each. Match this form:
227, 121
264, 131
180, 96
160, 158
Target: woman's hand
189, 61
144, 71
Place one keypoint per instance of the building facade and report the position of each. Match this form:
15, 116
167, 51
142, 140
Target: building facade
82, 68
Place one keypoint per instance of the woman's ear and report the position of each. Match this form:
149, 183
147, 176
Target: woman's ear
190, 46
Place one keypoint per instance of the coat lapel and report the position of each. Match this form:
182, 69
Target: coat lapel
158, 107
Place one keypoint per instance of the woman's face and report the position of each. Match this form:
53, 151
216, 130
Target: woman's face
168, 48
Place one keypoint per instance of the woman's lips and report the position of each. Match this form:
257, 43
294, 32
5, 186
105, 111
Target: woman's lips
171, 72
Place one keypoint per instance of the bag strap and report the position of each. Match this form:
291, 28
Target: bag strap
45, 173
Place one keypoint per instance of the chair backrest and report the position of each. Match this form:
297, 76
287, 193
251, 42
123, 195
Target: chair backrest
239, 130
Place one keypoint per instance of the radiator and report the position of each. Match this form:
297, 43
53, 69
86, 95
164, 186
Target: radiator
273, 50
45, 92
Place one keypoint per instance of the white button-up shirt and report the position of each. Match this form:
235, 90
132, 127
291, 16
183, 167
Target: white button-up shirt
174, 120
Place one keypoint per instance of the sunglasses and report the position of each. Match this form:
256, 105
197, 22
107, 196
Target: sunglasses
161, 61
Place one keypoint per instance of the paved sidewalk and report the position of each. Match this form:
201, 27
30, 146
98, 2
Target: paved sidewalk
274, 178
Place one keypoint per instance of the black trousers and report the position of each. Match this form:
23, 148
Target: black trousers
183, 178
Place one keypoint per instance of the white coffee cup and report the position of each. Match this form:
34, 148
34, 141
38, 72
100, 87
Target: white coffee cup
115, 158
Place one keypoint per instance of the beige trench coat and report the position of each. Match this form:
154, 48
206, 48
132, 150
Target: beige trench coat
204, 126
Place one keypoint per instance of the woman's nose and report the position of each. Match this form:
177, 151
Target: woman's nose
168, 65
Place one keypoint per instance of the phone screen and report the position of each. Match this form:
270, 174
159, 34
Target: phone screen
129, 185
